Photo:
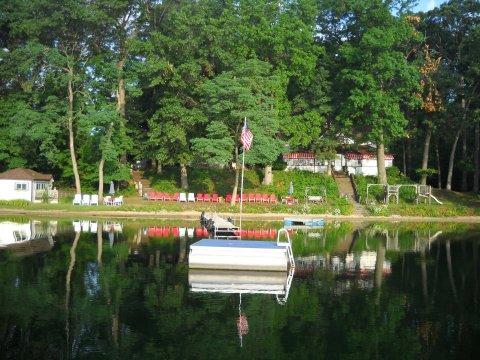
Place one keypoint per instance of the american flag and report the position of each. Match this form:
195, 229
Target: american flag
247, 137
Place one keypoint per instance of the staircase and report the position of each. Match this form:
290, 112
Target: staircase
137, 176
345, 189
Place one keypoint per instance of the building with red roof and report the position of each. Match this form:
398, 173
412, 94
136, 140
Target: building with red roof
360, 163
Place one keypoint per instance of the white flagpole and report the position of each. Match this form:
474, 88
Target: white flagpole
241, 187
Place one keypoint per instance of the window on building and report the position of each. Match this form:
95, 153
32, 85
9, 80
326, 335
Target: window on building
21, 186
41, 186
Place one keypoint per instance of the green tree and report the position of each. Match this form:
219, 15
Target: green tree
449, 30
380, 79
248, 91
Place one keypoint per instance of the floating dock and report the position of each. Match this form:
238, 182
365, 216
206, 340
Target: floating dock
219, 254
238, 255
238, 282
303, 222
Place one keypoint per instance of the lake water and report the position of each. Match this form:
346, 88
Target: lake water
123, 290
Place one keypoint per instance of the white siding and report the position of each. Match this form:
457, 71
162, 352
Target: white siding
9, 191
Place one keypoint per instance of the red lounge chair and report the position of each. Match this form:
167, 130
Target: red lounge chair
251, 197
258, 197
200, 197
151, 195
244, 234
228, 198
205, 232
264, 233
237, 198
176, 196
198, 232
207, 198
273, 199
158, 231
250, 234
215, 198
265, 198
166, 231
159, 196
175, 231
166, 197
244, 197
258, 234
273, 233
151, 232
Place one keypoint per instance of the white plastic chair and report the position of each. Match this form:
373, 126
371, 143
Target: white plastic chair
93, 227
77, 199
86, 199
118, 201
191, 197
77, 226
94, 199
182, 197
85, 226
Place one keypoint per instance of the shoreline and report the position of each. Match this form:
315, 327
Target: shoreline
195, 215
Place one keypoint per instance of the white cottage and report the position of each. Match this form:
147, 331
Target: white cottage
351, 163
25, 184
364, 164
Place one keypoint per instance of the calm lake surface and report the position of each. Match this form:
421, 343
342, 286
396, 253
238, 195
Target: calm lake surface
123, 290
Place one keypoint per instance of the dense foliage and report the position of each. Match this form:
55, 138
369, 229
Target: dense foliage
89, 87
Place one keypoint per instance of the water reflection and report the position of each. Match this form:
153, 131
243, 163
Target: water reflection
359, 290
27, 238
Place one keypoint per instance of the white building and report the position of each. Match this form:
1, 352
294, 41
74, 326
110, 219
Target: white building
364, 164
26, 184
351, 163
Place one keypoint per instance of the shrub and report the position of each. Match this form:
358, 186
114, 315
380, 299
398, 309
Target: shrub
15, 203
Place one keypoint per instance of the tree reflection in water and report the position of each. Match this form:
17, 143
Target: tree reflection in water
369, 291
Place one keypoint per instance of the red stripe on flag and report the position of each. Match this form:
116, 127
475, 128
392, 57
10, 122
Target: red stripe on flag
246, 138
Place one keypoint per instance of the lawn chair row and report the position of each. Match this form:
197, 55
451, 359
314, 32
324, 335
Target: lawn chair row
165, 196
182, 197
206, 197
113, 201
255, 198
85, 199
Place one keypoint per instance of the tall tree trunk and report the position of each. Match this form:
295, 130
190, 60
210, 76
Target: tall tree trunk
101, 164
159, 167
183, 176
71, 137
409, 157
68, 291
464, 185
121, 95
439, 166
423, 266
99, 243
426, 150
268, 175
450, 269
452, 160
404, 157
379, 269
382, 173
329, 168
476, 160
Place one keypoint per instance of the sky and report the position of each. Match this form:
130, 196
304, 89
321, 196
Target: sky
426, 5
